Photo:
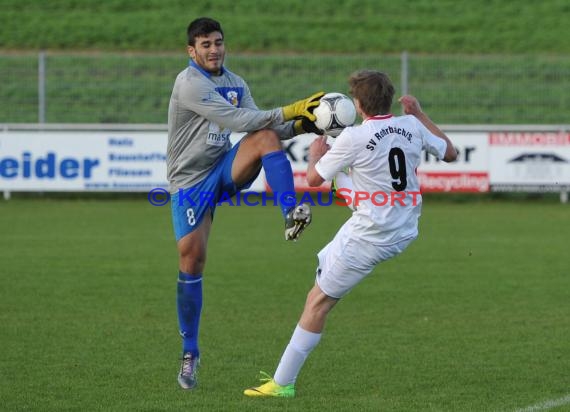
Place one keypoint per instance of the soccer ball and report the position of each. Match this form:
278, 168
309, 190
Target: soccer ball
335, 112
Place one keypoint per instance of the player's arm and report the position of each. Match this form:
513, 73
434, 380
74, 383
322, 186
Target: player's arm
304, 119
301, 111
325, 162
199, 97
284, 131
411, 105
317, 150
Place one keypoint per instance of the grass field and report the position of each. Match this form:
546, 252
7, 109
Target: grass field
474, 316
425, 26
114, 88
493, 62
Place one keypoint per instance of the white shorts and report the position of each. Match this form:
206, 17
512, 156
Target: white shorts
348, 259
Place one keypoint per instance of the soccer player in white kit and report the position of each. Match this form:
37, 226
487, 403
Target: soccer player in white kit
382, 155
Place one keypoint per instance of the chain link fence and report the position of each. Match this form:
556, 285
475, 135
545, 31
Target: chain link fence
130, 88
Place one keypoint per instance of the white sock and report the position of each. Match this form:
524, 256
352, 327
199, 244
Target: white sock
301, 344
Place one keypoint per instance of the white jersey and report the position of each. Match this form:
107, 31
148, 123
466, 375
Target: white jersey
383, 154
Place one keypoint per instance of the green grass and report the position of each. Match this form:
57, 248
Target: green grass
374, 26
472, 317
491, 62
114, 88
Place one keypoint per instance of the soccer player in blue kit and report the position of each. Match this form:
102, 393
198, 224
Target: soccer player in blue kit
208, 102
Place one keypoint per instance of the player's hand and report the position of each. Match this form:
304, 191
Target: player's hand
303, 108
318, 148
410, 105
304, 125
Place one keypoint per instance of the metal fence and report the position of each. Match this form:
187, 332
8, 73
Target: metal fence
130, 88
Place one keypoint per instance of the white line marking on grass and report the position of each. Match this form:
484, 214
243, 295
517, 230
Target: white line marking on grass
549, 404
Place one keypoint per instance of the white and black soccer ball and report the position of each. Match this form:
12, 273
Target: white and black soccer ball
335, 112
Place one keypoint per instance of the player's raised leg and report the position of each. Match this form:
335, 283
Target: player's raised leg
263, 148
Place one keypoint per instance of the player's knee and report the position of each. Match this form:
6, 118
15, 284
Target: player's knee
191, 262
267, 140
318, 305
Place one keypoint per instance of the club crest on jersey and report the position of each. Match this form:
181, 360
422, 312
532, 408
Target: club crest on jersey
232, 94
232, 97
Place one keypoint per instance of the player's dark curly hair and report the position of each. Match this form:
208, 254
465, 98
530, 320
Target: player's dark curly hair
202, 27
373, 90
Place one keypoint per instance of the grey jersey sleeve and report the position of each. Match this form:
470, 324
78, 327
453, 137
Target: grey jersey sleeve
200, 97
284, 131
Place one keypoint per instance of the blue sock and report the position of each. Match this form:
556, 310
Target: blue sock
189, 304
279, 175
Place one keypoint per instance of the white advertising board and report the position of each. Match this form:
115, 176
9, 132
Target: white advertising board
82, 161
468, 174
530, 161
99, 160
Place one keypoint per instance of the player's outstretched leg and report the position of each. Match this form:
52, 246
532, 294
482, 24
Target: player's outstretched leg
296, 220
270, 389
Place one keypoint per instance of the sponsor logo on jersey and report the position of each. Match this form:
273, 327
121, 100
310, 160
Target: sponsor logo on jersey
217, 136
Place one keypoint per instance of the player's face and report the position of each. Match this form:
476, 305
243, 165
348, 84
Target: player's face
208, 52
358, 109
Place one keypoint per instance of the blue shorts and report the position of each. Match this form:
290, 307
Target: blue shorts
190, 205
